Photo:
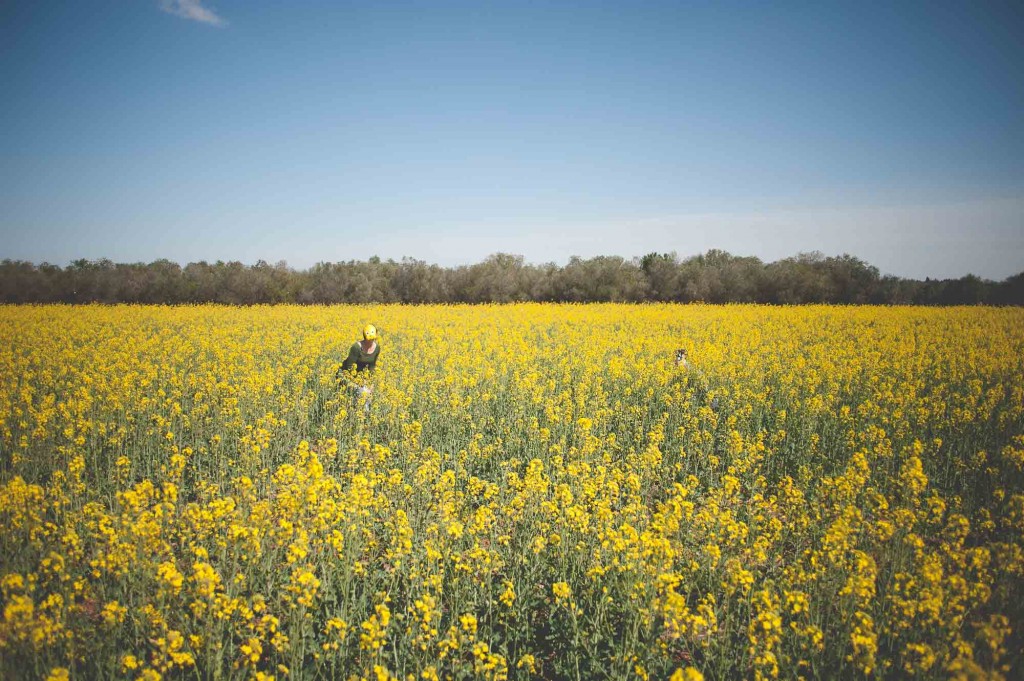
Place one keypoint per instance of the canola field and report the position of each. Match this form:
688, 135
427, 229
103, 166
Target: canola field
534, 492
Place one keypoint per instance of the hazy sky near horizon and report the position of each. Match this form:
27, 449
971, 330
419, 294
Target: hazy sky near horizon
313, 131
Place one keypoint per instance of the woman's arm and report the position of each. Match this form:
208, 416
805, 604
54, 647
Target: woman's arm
350, 361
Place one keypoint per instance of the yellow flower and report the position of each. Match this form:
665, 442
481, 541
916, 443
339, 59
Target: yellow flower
251, 651
168, 573
469, 624
529, 662
508, 596
687, 674
562, 591
204, 458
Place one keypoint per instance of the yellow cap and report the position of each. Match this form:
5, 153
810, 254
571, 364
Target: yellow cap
369, 332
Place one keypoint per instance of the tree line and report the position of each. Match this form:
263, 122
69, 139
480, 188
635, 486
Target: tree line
712, 277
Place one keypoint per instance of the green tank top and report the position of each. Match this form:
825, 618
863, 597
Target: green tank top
361, 359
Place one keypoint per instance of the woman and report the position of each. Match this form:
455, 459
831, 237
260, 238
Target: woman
362, 356
699, 381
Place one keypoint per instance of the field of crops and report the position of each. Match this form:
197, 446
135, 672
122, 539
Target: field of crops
536, 491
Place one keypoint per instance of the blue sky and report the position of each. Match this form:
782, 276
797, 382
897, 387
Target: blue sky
445, 131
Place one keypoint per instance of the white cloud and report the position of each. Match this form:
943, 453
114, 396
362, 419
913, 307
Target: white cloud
191, 9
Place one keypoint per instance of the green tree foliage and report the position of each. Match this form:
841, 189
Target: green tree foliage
713, 277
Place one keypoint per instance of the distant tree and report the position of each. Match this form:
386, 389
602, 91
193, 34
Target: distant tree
371, 281
719, 277
500, 278
851, 279
1010, 291
233, 286
715, 277
542, 282
417, 282
92, 281
266, 283
322, 284
200, 282
892, 290
21, 282
800, 279
968, 290
601, 279
663, 276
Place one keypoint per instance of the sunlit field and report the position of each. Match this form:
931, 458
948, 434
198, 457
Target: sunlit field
535, 491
